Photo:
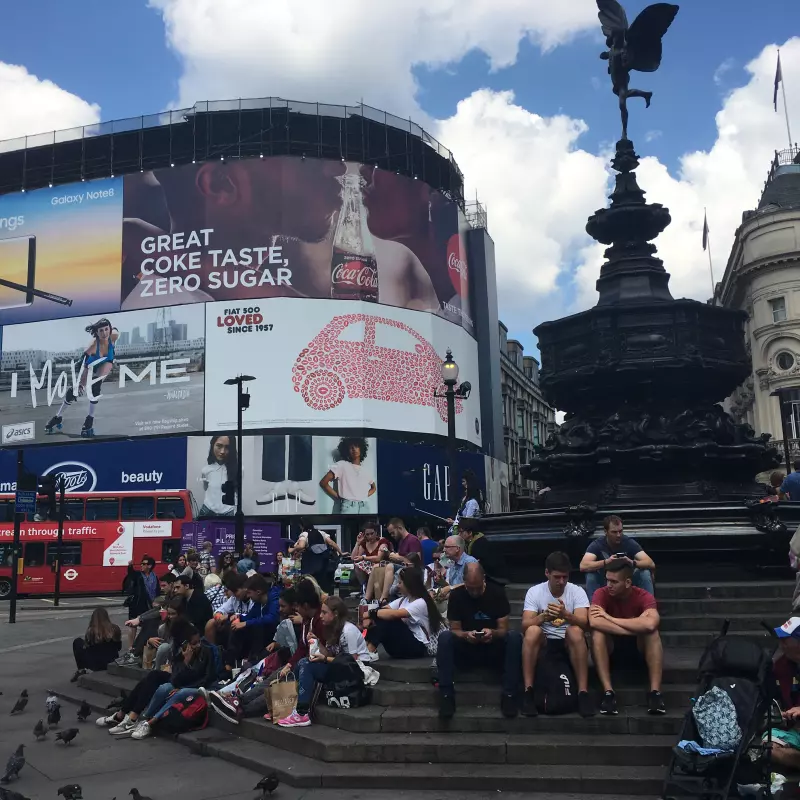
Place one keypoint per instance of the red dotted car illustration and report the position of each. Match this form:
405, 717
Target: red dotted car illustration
374, 358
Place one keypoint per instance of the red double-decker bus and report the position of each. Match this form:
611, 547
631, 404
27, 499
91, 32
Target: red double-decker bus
103, 531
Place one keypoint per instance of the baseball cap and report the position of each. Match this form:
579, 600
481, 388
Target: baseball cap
790, 628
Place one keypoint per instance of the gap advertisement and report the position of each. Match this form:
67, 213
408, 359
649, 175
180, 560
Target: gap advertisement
138, 373
286, 474
139, 466
334, 364
414, 479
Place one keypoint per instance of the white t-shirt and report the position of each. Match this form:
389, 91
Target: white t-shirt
214, 475
320, 549
539, 597
351, 641
354, 480
417, 619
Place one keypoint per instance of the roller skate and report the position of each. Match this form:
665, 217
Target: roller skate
88, 427
54, 423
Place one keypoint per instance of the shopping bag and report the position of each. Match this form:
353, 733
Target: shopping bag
281, 695
148, 656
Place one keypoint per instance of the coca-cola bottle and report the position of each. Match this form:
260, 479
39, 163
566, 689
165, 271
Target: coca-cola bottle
354, 268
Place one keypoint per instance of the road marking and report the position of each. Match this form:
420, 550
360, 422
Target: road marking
45, 600
36, 644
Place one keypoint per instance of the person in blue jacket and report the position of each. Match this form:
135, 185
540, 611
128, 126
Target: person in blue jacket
251, 633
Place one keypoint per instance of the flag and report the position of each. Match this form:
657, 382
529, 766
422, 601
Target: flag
705, 231
778, 80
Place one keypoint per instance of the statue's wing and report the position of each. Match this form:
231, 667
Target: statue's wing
644, 36
612, 17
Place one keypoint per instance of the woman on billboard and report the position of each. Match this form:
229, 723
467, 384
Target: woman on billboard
100, 353
220, 468
354, 484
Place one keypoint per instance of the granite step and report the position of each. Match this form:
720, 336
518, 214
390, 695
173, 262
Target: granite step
699, 639
772, 607
712, 623
713, 590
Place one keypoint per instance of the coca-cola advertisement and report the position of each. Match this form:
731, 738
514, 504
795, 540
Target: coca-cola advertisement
337, 364
253, 229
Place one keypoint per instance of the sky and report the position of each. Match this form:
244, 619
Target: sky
514, 88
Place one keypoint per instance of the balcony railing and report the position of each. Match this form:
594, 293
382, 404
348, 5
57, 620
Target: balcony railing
794, 448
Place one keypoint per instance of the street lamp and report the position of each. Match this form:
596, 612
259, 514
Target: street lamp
242, 403
451, 392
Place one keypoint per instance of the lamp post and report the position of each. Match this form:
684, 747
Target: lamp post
242, 403
450, 394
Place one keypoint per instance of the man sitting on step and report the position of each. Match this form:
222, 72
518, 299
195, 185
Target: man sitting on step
554, 618
479, 637
624, 622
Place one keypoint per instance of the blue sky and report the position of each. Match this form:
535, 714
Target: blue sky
121, 57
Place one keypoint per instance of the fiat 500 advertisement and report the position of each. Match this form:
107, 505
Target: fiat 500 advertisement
338, 364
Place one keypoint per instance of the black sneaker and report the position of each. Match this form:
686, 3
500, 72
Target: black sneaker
655, 703
529, 703
586, 705
609, 704
228, 707
447, 704
509, 706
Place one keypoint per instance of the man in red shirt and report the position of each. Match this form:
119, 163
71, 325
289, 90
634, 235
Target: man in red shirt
621, 613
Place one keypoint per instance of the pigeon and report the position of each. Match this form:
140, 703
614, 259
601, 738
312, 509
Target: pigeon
71, 792
52, 700
84, 712
54, 716
19, 706
137, 796
39, 731
268, 784
14, 765
8, 794
66, 736
117, 702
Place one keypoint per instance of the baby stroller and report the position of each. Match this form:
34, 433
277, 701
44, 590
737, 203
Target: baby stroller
742, 668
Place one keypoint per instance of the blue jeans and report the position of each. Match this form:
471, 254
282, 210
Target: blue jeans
453, 652
642, 578
350, 506
179, 695
309, 673
158, 700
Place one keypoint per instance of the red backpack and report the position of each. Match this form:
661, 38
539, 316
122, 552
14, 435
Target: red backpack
186, 715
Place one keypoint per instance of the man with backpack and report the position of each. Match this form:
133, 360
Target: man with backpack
554, 619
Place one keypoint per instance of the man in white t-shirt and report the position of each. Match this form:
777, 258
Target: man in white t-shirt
555, 616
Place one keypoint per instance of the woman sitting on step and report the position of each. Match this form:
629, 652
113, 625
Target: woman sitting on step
99, 646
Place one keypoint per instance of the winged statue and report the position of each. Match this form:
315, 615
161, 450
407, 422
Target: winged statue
633, 47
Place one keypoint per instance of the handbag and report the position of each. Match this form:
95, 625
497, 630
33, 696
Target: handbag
433, 640
281, 696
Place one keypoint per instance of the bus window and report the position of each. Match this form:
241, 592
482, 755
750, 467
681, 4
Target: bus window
6, 510
34, 554
102, 508
70, 554
6, 555
170, 550
137, 508
170, 508
73, 510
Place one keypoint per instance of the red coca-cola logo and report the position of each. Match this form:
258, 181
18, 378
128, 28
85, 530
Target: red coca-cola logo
457, 265
355, 273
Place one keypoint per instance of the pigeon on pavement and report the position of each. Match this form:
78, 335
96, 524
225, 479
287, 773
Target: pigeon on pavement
66, 736
54, 716
8, 794
84, 712
72, 791
39, 730
136, 795
268, 784
14, 765
117, 702
19, 706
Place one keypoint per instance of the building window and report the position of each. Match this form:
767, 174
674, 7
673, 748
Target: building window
785, 361
778, 308
536, 437
520, 422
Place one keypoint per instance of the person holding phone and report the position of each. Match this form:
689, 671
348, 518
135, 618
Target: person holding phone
613, 549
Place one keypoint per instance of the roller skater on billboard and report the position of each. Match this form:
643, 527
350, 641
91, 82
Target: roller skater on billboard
100, 353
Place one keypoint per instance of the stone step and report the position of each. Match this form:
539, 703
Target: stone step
713, 590
713, 623
635, 783
392, 694
519, 741
108, 683
772, 607
699, 639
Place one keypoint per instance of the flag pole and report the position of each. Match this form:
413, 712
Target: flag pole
708, 248
785, 106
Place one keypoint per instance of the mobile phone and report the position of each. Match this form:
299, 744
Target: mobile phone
479, 634
185, 644
620, 555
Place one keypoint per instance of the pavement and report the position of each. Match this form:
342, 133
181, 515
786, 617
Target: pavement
36, 653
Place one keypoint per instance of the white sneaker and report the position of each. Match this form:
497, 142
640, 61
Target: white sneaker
142, 730
125, 728
368, 656
107, 722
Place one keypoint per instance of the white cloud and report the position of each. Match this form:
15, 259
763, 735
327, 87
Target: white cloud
31, 105
719, 73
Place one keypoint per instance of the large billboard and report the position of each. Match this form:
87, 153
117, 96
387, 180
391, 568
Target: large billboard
286, 474
248, 230
337, 365
124, 374
60, 251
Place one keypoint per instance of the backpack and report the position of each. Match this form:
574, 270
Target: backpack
715, 716
344, 684
555, 687
186, 715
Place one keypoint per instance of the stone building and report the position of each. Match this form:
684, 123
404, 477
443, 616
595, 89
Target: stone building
762, 277
527, 419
